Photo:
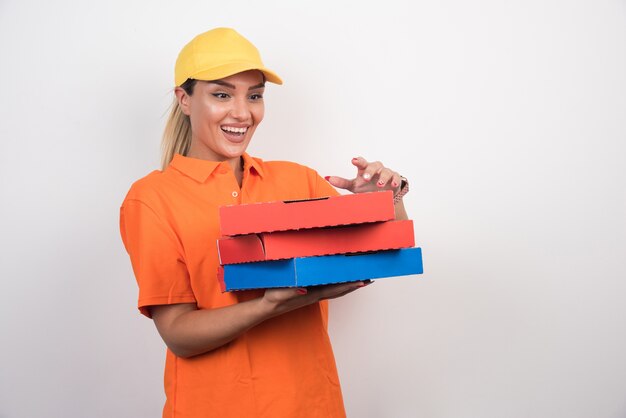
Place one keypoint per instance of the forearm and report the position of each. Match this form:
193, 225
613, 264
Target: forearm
189, 331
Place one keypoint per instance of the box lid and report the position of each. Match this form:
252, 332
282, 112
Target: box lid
303, 214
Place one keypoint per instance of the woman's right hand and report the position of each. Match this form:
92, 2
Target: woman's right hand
283, 300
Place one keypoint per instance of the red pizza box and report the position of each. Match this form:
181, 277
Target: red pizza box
348, 209
318, 241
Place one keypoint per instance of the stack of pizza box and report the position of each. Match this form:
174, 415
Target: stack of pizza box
314, 242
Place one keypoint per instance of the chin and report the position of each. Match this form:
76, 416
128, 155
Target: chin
234, 151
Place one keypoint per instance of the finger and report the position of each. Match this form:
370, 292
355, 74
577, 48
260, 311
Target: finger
333, 290
372, 170
340, 182
385, 178
282, 295
359, 162
357, 286
338, 290
396, 181
340, 294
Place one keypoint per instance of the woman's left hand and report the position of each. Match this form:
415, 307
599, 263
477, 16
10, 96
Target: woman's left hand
370, 177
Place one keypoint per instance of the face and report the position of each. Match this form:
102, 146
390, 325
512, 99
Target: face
224, 115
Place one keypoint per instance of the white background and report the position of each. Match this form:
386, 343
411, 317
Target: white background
508, 117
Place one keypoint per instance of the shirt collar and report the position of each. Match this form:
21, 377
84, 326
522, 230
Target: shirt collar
200, 170
253, 164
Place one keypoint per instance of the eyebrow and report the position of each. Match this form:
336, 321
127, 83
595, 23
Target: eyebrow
232, 86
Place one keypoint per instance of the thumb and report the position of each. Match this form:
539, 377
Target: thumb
340, 182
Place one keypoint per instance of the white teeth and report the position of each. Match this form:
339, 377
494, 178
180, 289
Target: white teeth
234, 130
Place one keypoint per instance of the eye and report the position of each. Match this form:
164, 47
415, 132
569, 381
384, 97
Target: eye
256, 96
220, 95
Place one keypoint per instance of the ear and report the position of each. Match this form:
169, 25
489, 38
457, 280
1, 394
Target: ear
184, 101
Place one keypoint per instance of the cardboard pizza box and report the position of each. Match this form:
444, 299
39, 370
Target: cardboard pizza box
347, 209
312, 271
318, 241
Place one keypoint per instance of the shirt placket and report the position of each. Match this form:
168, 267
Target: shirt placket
230, 182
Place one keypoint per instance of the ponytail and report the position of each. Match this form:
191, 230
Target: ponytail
177, 132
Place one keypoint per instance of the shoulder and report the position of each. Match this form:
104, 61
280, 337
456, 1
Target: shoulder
297, 180
148, 189
288, 168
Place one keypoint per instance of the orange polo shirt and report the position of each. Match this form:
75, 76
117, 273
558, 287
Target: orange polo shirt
281, 368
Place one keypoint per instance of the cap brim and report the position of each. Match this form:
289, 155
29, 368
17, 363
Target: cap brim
226, 70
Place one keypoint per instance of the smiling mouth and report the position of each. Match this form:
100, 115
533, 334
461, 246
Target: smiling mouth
234, 131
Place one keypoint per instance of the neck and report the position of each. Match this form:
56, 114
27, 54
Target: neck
237, 166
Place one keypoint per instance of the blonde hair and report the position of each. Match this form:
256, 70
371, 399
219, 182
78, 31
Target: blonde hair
177, 133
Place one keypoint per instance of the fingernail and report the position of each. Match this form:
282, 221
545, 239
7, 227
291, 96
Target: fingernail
355, 158
381, 183
327, 178
367, 283
394, 184
366, 176
301, 291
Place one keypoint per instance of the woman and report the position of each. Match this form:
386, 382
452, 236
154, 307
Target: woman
241, 354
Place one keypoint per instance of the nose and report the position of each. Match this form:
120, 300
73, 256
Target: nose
240, 109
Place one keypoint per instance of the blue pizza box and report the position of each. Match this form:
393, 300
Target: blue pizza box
319, 270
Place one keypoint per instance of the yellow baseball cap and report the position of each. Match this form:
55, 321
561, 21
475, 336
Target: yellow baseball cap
219, 53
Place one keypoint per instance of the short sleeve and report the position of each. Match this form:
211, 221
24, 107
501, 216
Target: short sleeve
156, 255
